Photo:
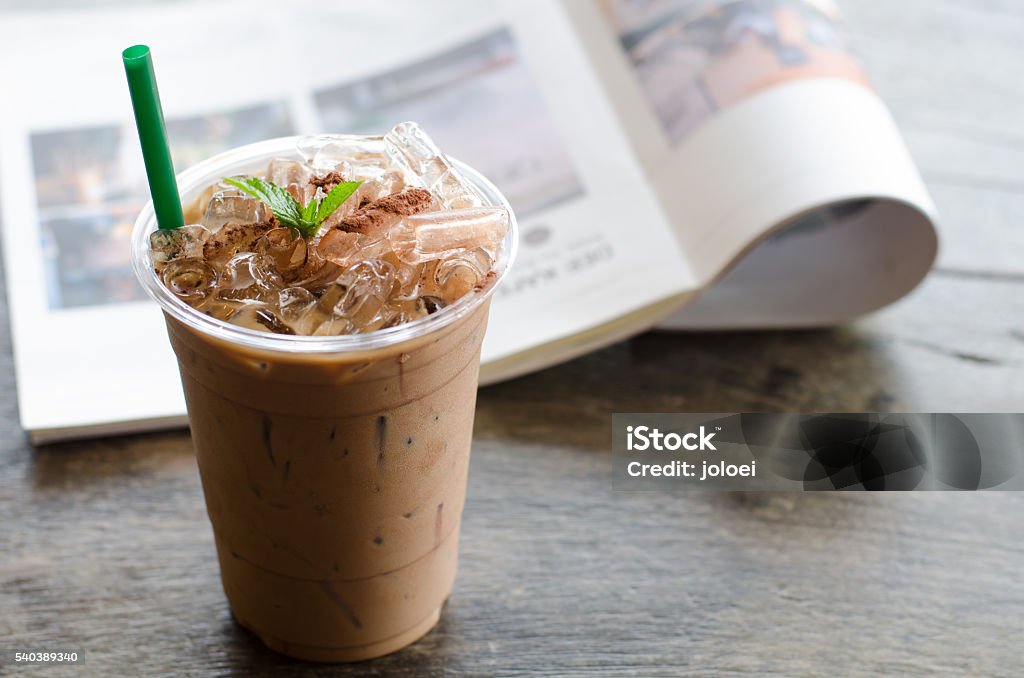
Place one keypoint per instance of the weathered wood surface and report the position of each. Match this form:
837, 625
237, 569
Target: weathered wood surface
105, 546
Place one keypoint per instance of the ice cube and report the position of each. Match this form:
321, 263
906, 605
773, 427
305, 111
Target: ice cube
307, 192
316, 274
232, 239
189, 279
196, 208
365, 290
339, 247
373, 169
334, 325
357, 172
413, 309
454, 192
259, 317
308, 146
388, 183
459, 273
399, 315
411, 149
221, 309
327, 153
330, 297
272, 322
285, 246
409, 279
436, 235
233, 207
324, 318
285, 172
264, 271
384, 318
185, 242
295, 303
249, 277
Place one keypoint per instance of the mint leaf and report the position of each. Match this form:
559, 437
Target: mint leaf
333, 200
285, 208
309, 211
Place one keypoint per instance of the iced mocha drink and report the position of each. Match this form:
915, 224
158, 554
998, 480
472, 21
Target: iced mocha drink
329, 359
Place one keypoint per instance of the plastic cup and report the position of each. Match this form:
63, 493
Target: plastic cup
334, 468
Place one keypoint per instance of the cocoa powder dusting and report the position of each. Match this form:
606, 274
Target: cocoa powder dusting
328, 181
232, 239
407, 203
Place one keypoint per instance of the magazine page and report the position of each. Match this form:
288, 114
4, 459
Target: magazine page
73, 181
767, 147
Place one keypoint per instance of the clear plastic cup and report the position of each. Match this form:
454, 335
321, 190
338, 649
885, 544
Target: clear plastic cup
334, 468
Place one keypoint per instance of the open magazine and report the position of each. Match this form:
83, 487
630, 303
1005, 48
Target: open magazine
694, 163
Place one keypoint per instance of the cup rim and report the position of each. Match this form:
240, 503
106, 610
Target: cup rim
199, 176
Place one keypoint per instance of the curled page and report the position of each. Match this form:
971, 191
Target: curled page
784, 176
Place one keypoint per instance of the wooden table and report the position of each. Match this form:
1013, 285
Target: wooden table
106, 546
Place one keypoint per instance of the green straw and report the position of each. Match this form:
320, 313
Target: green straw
149, 118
